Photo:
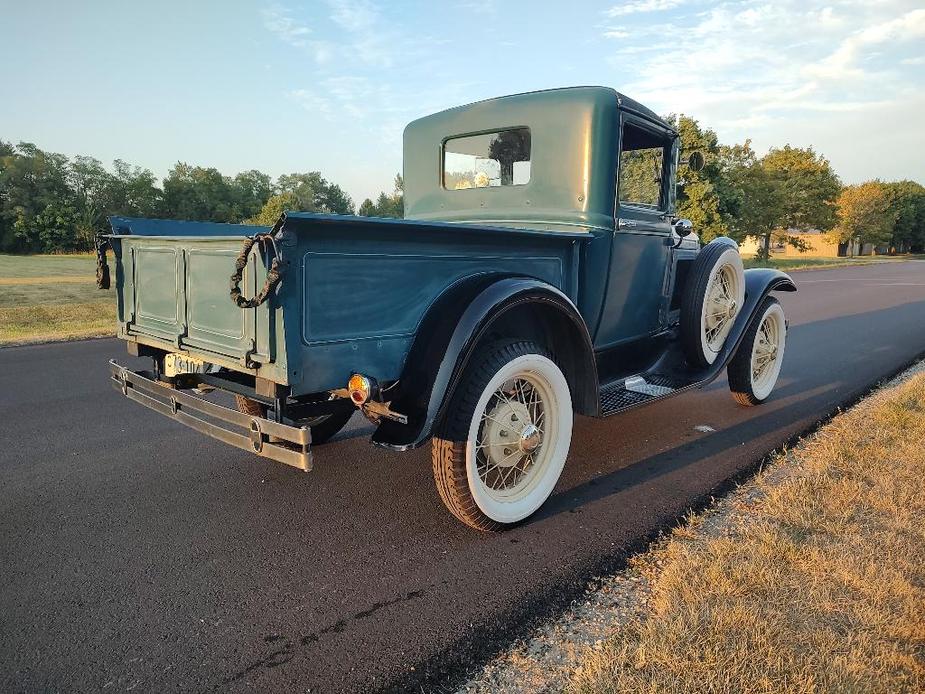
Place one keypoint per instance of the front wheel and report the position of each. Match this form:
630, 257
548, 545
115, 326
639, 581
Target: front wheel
507, 433
755, 367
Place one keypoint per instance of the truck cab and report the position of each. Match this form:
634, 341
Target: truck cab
587, 160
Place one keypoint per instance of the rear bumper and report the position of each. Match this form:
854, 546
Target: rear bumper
279, 442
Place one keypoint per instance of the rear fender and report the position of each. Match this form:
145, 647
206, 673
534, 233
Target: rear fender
464, 316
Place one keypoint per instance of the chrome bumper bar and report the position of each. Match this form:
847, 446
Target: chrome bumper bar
279, 442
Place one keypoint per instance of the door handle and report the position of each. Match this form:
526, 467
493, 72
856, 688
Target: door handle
626, 224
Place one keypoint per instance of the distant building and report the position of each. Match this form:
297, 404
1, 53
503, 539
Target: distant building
819, 244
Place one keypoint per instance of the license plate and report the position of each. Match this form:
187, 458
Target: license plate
176, 364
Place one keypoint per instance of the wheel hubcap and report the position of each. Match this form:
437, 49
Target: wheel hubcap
530, 438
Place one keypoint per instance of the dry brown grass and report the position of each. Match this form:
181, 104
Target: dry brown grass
53, 322
49, 298
49, 279
813, 582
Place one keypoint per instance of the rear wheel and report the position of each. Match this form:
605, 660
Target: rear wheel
323, 427
713, 297
250, 407
501, 450
754, 369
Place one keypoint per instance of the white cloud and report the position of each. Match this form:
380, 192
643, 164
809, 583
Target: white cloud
616, 34
843, 62
279, 21
368, 35
776, 70
312, 102
353, 15
640, 6
364, 36
485, 7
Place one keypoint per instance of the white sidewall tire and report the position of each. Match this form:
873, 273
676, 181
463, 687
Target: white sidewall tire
731, 258
559, 420
746, 389
762, 389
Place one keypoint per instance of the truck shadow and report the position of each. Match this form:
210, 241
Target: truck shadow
818, 355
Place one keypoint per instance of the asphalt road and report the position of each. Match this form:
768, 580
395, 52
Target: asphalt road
137, 554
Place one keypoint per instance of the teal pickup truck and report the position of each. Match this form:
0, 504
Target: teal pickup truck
540, 271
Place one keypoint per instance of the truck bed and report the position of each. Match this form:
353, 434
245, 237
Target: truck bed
353, 291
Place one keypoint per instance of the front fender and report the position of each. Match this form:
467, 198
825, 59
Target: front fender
449, 335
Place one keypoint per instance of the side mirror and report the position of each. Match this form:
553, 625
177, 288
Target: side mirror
683, 227
695, 161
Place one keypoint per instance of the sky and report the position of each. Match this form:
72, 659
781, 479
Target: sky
329, 85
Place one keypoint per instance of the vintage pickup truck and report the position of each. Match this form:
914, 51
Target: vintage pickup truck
540, 271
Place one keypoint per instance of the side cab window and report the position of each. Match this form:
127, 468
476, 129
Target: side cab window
645, 155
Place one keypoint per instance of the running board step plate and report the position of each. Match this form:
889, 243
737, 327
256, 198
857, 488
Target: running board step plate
635, 391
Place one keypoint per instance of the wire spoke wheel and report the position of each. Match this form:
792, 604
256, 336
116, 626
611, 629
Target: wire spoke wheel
767, 352
713, 297
755, 368
720, 307
500, 453
509, 442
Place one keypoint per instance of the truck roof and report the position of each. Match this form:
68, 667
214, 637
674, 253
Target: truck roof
579, 93
573, 135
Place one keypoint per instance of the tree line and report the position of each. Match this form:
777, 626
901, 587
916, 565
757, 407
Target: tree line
739, 194
50, 203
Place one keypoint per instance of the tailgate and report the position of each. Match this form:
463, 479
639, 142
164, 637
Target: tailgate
173, 284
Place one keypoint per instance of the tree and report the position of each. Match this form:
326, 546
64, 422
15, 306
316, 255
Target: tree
788, 188
30, 181
700, 199
90, 183
760, 201
907, 202
196, 192
133, 192
315, 194
864, 214
55, 227
252, 189
809, 185
273, 209
386, 205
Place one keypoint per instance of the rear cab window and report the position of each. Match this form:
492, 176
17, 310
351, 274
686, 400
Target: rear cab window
487, 160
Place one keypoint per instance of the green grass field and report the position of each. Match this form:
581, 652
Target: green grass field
52, 297
800, 263
75, 265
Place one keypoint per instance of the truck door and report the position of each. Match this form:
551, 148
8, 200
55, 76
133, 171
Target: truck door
634, 304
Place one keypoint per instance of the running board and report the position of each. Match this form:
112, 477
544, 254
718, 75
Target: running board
635, 391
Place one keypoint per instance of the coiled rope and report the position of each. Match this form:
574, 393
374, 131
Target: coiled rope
274, 274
